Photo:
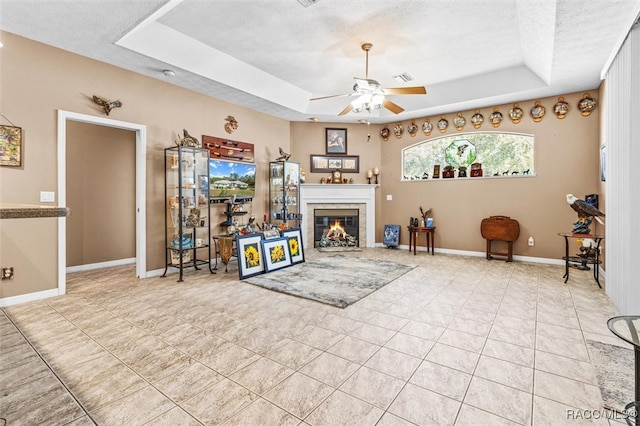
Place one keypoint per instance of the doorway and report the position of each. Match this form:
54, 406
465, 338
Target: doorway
140, 185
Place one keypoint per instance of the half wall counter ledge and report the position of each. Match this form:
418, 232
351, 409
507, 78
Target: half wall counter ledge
27, 211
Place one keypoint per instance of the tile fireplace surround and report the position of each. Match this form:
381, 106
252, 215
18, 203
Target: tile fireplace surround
334, 196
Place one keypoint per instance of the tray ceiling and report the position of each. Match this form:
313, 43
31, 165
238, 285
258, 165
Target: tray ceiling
273, 56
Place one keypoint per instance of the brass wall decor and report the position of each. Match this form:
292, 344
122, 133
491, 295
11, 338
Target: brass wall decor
561, 108
443, 123
427, 127
413, 128
477, 119
537, 112
384, 133
398, 130
231, 124
516, 113
586, 105
496, 117
459, 121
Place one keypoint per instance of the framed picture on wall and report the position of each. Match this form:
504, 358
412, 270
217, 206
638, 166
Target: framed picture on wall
329, 163
10, 146
336, 141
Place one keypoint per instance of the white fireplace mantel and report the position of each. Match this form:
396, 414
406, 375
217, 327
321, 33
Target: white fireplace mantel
339, 194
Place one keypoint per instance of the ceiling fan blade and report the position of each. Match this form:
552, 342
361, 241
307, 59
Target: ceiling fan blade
331, 96
346, 110
416, 90
394, 108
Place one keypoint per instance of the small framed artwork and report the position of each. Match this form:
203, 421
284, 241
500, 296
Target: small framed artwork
270, 233
10, 146
329, 163
336, 141
295, 244
250, 259
276, 253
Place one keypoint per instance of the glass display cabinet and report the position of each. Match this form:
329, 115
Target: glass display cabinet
187, 218
284, 193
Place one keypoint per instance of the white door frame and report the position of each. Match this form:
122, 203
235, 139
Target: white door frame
141, 211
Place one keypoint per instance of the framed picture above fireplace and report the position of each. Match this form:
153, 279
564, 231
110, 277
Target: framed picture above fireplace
329, 163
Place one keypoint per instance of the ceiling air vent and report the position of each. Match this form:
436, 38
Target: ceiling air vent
307, 3
402, 78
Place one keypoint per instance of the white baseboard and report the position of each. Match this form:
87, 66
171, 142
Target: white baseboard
29, 297
100, 265
482, 254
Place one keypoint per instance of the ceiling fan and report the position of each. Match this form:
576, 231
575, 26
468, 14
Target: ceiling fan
371, 96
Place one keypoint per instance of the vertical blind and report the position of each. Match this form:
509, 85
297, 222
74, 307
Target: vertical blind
621, 133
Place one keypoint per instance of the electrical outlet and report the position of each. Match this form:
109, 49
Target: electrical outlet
7, 272
531, 241
47, 197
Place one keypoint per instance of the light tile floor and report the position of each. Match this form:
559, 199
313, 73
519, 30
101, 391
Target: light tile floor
458, 340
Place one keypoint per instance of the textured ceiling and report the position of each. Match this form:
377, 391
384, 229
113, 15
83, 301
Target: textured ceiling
273, 56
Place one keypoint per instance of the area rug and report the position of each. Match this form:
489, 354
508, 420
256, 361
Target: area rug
614, 368
335, 280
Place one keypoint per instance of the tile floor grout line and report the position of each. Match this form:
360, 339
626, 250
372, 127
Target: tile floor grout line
50, 369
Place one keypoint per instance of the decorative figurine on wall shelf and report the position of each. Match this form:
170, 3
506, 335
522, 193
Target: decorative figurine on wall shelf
586, 214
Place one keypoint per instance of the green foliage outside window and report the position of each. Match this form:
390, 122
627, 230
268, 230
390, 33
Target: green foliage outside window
501, 154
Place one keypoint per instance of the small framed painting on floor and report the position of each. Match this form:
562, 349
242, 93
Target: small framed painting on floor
250, 259
295, 244
276, 253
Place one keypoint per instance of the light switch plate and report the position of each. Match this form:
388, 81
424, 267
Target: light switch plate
47, 197
389, 197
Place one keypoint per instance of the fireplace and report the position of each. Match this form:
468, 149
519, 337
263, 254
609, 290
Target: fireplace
335, 227
360, 197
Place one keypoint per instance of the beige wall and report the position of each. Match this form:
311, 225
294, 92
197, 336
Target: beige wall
37, 80
101, 193
566, 161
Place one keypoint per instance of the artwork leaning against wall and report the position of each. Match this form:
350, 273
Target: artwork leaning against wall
470, 155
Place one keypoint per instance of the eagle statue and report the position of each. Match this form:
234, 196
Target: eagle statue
586, 214
187, 140
107, 106
283, 155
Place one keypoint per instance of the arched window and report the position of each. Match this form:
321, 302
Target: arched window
495, 154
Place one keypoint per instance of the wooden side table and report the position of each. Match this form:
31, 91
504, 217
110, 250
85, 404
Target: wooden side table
413, 237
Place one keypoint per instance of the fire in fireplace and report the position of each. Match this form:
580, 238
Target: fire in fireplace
336, 227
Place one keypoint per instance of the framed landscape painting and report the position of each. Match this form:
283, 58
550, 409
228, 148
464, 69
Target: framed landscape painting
295, 244
250, 259
276, 253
